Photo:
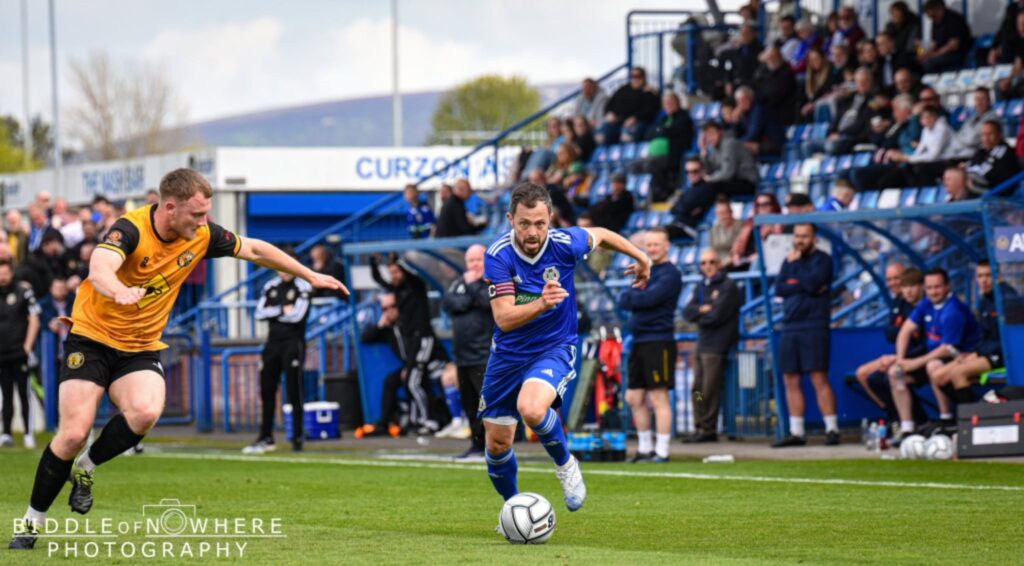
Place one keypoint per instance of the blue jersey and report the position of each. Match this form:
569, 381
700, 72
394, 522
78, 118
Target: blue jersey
508, 271
950, 323
419, 220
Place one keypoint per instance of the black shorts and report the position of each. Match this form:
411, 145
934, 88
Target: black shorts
652, 365
89, 360
803, 351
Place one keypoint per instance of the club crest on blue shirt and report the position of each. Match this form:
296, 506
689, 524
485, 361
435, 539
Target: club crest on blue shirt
550, 273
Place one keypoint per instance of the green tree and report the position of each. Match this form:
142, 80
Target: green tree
12, 156
42, 137
489, 103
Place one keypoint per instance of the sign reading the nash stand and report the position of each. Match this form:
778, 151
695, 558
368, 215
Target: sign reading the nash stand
1009, 244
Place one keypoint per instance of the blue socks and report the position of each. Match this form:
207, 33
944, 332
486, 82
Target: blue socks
551, 435
454, 400
502, 469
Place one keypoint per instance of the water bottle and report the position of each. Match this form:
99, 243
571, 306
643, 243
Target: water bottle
872, 443
864, 431
883, 436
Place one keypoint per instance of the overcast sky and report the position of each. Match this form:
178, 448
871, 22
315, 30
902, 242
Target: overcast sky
233, 56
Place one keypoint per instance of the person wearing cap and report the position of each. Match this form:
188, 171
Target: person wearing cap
613, 212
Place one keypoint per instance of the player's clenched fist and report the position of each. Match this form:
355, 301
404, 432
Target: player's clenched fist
129, 295
553, 294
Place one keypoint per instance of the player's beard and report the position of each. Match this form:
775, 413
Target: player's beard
522, 244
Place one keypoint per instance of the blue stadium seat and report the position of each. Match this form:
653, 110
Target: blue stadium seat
689, 256
714, 110
1015, 109
642, 147
927, 195
615, 153
643, 187
868, 200
908, 197
628, 152
862, 159
600, 155
635, 219
888, 199
699, 112
845, 162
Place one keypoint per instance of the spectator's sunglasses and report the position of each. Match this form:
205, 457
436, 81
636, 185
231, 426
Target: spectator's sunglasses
693, 171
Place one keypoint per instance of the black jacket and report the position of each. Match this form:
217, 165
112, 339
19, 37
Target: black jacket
335, 269
719, 327
17, 304
39, 270
278, 294
613, 213
988, 169
678, 131
411, 299
628, 102
453, 220
860, 129
805, 286
469, 307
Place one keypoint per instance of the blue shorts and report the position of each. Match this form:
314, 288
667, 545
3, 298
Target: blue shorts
503, 379
803, 351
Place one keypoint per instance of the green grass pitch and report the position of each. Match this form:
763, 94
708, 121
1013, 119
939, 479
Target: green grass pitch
350, 508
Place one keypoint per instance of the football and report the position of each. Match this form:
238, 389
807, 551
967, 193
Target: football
912, 447
938, 447
527, 518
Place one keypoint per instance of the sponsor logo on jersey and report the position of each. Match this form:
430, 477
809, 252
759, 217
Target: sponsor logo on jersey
185, 258
548, 372
75, 360
523, 298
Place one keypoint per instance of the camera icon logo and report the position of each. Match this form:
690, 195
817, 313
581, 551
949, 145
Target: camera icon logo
171, 516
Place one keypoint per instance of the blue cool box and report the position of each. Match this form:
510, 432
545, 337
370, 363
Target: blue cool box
320, 420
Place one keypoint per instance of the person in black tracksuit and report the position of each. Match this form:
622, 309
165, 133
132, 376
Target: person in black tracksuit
19, 326
284, 303
804, 283
468, 304
420, 344
387, 329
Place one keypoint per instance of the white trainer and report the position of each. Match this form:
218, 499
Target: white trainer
30, 442
573, 489
6, 441
450, 429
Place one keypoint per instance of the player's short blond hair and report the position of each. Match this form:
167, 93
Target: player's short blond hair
182, 184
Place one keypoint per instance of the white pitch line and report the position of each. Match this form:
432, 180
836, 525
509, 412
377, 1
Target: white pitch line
589, 471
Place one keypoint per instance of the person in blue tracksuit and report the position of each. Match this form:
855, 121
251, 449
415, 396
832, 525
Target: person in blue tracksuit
950, 330
804, 284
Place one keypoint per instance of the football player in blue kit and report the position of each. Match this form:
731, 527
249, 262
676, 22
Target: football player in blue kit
529, 272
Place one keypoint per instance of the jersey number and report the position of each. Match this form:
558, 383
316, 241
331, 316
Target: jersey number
155, 288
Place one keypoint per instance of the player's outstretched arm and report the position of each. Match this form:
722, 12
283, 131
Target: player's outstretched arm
270, 256
103, 268
641, 270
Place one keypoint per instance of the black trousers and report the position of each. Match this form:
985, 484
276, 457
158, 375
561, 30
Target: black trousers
288, 356
697, 200
390, 410
14, 372
471, 382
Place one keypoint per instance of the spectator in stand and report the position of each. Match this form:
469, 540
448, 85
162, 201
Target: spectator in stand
715, 309
444, 192
849, 31
903, 27
787, 43
967, 139
670, 136
950, 41
652, 363
888, 136
1007, 45
45, 264
564, 213
323, 261
966, 368
81, 271
613, 212
842, 196
565, 156
630, 110
89, 235
39, 226
152, 196
1013, 48
905, 82
798, 203
852, 122
584, 135
804, 283
744, 58
950, 329
419, 219
843, 63
819, 81
104, 214
590, 103
994, 162
542, 156
58, 303
454, 220
890, 62
905, 286
724, 231
685, 220
867, 56
17, 236
831, 25
954, 184
744, 249
776, 100
810, 40
728, 168
919, 168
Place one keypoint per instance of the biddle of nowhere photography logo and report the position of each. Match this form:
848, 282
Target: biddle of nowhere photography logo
168, 529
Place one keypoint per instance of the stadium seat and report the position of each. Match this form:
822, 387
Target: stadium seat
888, 199
908, 197
642, 147
984, 76
868, 200
946, 83
1001, 72
1015, 109
600, 155
628, 152
615, 153
927, 195
699, 112
714, 110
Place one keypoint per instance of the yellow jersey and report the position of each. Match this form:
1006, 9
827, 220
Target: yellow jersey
154, 264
